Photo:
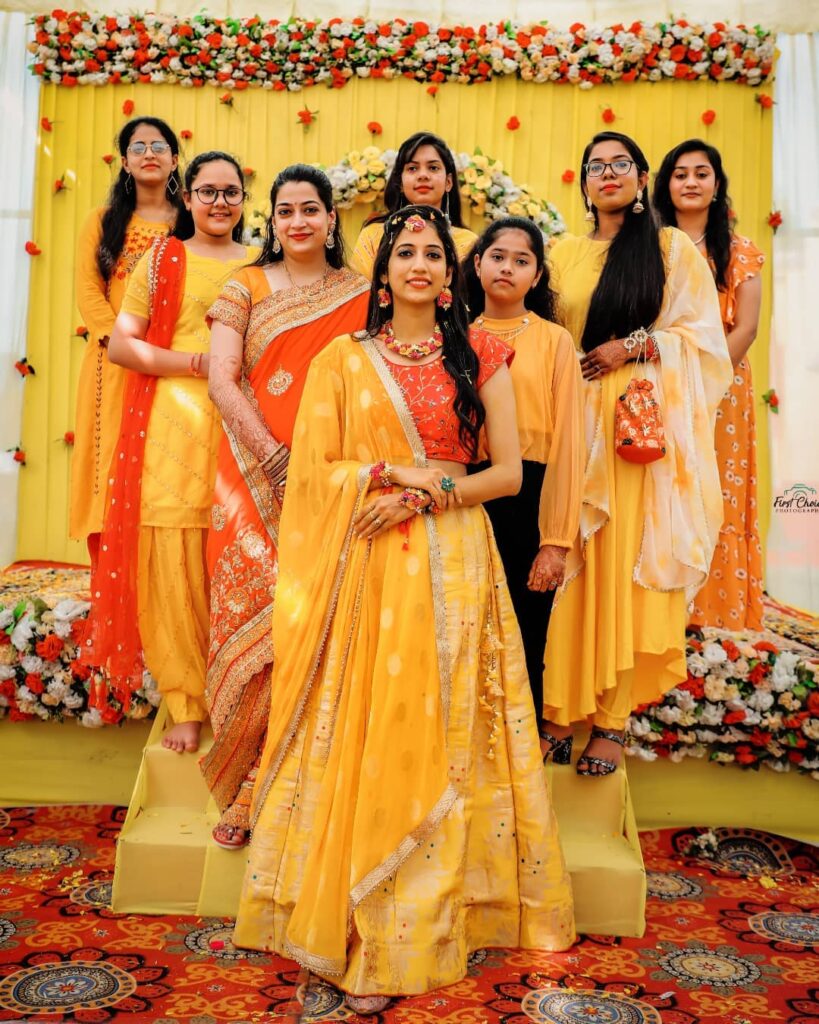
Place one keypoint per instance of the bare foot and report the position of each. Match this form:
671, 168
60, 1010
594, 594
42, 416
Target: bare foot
183, 737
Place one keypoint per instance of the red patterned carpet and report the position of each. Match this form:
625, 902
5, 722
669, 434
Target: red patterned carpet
733, 929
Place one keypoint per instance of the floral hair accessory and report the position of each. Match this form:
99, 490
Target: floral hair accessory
415, 223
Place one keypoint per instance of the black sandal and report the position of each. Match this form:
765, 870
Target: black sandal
585, 762
560, 750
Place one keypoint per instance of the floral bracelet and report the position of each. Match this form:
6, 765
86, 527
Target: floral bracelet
419, 501
382, 472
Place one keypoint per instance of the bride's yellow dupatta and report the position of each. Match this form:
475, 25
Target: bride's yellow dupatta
357, 626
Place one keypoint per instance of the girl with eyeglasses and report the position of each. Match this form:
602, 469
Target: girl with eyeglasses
629, 291
424, 173
401, 817
150, 589
691, 192
143, 205
268, 324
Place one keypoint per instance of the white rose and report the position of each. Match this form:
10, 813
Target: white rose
23, 632
714, 654
6, 617
712, 714
697, 665
74, 700
91, 719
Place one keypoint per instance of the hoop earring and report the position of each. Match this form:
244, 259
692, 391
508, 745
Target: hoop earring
129, 183
277, 245
172, 191
384, 297
638, 206
589, 214
444, 299
330, 242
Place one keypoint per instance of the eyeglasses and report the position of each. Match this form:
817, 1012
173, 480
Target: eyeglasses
233, 196
158, 147
596, 168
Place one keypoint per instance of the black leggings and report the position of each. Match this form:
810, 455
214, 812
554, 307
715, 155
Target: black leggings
515, 524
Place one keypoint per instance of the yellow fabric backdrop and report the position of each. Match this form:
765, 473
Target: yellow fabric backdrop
262, 129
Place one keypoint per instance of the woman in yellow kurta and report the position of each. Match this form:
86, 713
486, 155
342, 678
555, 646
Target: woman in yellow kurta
142, 207
401, 815
691, 192
647, 532
508, 294
424, 173
163, 575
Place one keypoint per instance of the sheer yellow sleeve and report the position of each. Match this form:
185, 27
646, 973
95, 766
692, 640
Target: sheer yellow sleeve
562, 493
137, 298
363, 257
95, 309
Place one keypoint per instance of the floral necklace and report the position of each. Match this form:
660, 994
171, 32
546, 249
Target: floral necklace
412, 349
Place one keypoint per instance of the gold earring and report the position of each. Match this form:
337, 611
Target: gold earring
589, 214
638, 206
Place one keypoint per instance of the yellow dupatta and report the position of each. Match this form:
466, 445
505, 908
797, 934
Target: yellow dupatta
361, 625
683, 496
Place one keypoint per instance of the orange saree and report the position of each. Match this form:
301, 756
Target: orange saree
282, 333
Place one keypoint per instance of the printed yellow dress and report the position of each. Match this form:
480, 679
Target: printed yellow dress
183, 437
363, 257
732, 597
101, 384
401, 814
647, 533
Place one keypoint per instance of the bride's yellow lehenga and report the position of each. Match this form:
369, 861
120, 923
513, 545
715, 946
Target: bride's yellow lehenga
401, 816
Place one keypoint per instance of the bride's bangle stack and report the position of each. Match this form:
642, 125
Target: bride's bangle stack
419, 501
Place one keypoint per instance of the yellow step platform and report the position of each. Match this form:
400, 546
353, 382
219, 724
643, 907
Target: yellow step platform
166, 862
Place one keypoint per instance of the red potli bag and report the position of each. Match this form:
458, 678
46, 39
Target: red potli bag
112, 642
638, 423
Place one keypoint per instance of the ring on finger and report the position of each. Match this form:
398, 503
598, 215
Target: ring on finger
378, 520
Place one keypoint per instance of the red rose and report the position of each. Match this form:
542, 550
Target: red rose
45, 124
68, 437
567, 176
765, 645
513, 124
19, 456
78, 630
773, 401
8, 688
609, 116
745, 755
110, 715
128, 108
775, 219
733, 717
432, 90
796, 756
420, 28
186, 133
248, 172
80, 671
709, 116
227, 99
730, 649
374, 128
32, 249
81, 331
765, 101
15, 715
50, 648
813, 703
35, 683
59, 185
108, 158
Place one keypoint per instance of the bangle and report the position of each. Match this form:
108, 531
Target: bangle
652, 349
382, 472
636, 339
196, 364
419, 501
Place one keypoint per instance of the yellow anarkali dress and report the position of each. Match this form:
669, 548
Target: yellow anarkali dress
647, 533
102, 384
401, 816
366, 247
183, 437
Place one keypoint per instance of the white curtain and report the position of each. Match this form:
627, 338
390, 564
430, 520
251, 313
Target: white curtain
793, 538
18, 116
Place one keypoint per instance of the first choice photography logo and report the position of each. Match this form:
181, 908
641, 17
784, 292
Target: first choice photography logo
799, 498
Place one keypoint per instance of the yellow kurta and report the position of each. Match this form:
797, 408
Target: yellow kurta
617, 634
547, 382
101, 384
363, 257
183, 437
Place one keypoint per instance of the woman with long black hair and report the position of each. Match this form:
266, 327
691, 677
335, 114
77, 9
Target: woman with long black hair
143, 205
509, 294
691, 193
424, 173
401, 818
628, 292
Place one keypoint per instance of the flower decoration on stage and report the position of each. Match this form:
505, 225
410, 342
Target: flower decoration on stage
609, 116
186, 134
81, 332
108, 158
77, 48
764, 100
226, 99
775, 220
40, 676
513, 124
18, 454
307, 117
68, 438
33, 249
46, 125
361, 177
432, 90
709, 116
60, 184
128, 108
745, 701
374, 128
567, 177
24, 368
771, 399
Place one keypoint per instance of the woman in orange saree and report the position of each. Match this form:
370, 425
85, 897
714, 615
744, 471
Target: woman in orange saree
401, 815
268, 324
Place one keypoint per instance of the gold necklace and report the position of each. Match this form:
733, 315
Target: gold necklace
505, 335
309, 284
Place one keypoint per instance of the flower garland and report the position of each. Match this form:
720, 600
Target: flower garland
72, 48
361, 177
40, 676
745, 702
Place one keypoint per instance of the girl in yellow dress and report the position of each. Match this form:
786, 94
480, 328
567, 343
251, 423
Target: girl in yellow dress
150, 591
424, 173
691, 193
647, 531
144, 202
401, 817
508, 295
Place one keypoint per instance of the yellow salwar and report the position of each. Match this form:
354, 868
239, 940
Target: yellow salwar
101, 384
401, 816
182, 442
366, 246
647, 533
